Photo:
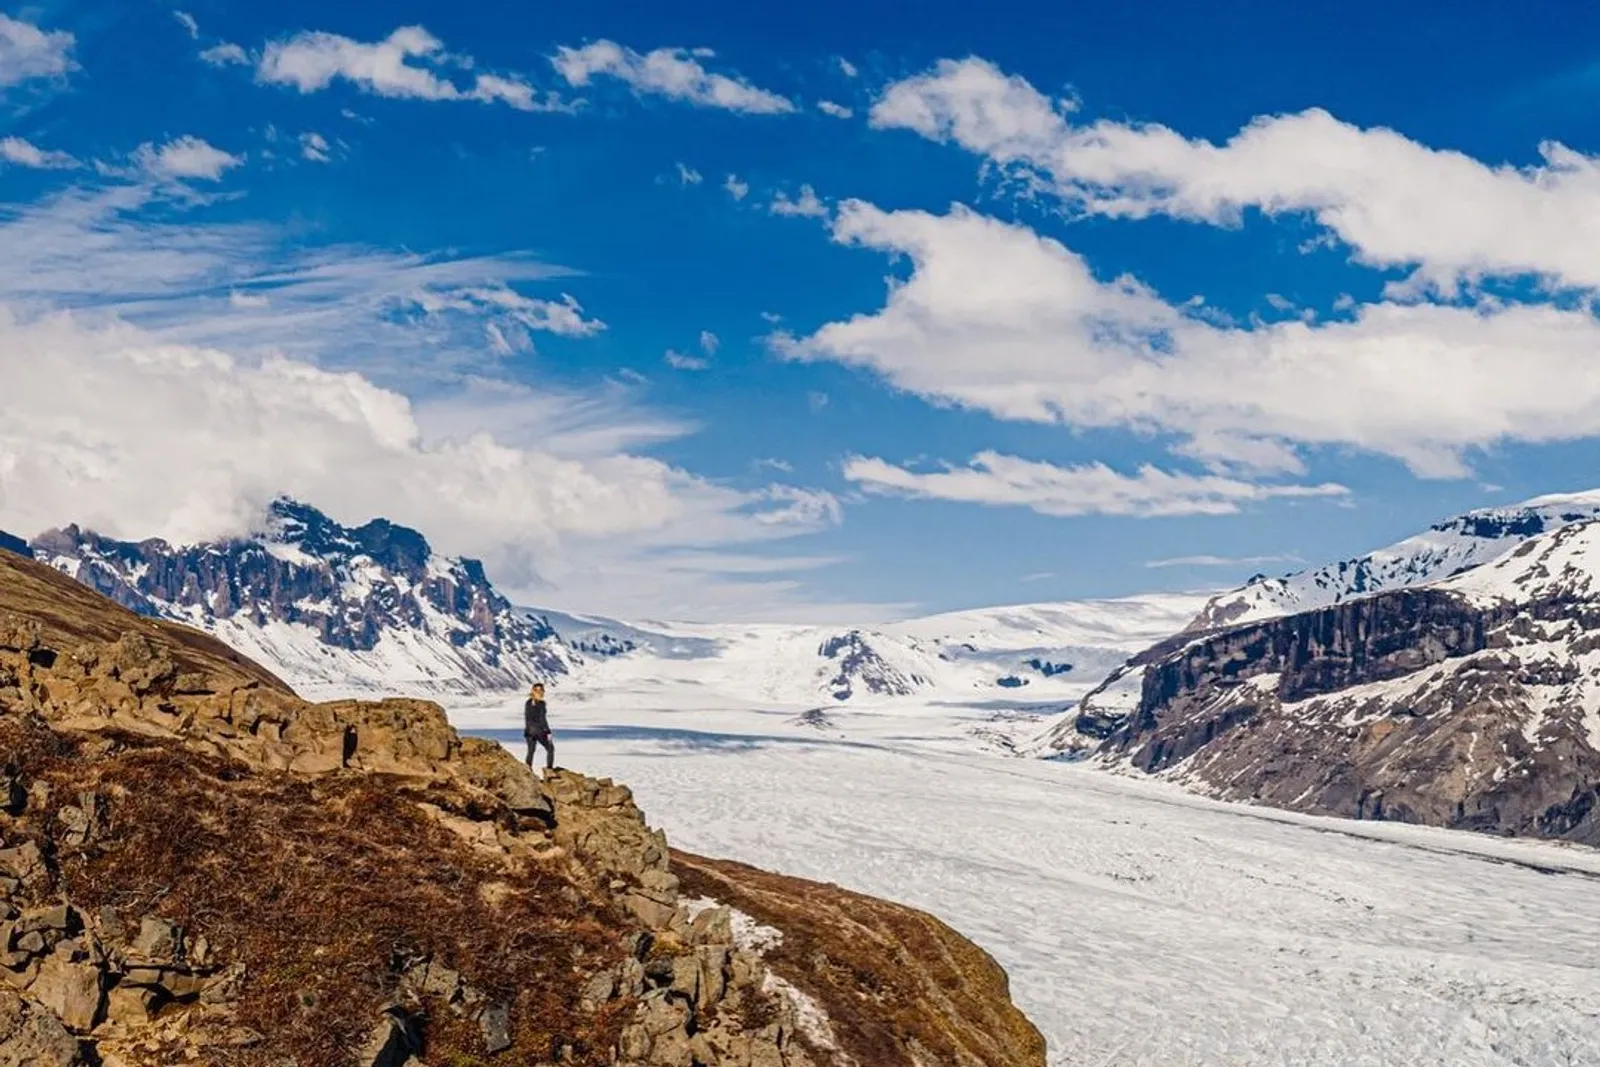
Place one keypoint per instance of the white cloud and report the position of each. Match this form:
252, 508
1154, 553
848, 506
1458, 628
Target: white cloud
187, 21
28, 52
22, 153
91, 417
681, 361
838, 111
847, 68
248, 301
736, 188
1221, 561
674, 73
1395, 202
998, 318
314, 146
185, 157
688, 175
709, 342
806, 205
1089, 489
225, 54
397, 66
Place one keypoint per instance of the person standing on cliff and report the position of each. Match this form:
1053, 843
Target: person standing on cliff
536, 726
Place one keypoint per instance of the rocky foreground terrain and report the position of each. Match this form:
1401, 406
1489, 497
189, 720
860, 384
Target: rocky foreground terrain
196, 866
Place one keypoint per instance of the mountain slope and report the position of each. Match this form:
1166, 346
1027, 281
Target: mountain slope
368, 608
1472, 702
200, 867
1442, 550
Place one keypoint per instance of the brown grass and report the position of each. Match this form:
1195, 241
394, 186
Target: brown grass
326, 891
887, 975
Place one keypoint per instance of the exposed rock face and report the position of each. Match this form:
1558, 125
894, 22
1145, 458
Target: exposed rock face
197, 866
1472, 703
856, 663
325, 602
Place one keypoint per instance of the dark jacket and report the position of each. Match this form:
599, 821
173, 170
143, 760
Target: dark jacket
535, 717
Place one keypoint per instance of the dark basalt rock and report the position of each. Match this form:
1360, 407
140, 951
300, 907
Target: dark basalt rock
1451, 753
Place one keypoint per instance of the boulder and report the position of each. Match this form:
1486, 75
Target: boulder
31, 1037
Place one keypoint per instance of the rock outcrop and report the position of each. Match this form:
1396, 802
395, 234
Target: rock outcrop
198, 866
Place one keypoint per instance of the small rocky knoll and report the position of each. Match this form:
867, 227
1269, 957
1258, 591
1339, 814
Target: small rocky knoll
198, 867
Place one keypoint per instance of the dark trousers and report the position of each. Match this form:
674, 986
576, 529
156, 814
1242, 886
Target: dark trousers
549, 748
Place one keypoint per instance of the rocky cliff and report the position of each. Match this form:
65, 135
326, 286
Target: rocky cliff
367, 607
1471, 703
198, 866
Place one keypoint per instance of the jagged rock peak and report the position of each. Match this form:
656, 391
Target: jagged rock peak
369, 606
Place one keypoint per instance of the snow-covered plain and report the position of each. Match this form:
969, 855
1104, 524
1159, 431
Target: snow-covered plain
1140, 925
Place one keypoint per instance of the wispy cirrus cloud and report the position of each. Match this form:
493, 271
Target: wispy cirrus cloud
1086, 489
672, 73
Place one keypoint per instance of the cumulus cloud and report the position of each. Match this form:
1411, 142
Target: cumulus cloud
188, 22
1088, 489
314, 146
1393, 201
687, 175
674, 73
735, 187
23, 153
709, 342
186, 157
134, 329
683, 361
28, 52
92, 416
996, 317
838, 111
806, 205
402, 65
226, 54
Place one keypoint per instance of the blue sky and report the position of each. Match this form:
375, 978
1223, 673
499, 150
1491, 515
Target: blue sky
700, 310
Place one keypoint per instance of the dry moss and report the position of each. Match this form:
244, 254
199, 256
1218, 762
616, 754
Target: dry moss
327, 891
890, 978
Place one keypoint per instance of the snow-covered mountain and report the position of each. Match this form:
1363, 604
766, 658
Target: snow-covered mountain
329, 607
1037, 654
1444, 549
1472, 701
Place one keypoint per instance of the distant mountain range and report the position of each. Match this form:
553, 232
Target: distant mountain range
1452, 678
372, 608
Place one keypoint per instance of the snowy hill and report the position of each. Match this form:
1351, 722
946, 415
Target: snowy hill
1444, 549
1038, 654
330, 608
